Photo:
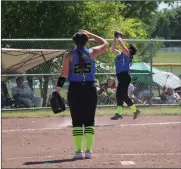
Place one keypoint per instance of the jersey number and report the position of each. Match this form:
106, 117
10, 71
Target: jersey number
87, 68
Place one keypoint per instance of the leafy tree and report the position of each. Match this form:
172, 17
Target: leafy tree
146, 11
169, 24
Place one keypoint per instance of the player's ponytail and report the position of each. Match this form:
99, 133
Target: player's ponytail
80, 39
81, 57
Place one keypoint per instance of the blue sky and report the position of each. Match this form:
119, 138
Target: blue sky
163, 5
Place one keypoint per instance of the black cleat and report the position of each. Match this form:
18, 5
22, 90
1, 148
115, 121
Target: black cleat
136, 114
117, 116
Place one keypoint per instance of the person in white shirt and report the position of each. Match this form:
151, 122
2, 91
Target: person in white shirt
172, 97
131, 89
23, 94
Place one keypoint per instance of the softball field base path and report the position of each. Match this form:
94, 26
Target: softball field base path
149, 141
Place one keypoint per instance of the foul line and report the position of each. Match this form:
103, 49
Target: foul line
70, 156
119, 125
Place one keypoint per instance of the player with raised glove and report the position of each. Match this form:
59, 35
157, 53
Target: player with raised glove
123, 61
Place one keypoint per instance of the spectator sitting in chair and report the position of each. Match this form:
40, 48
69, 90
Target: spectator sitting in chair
108, 90
131, 90
23, 95
171, 96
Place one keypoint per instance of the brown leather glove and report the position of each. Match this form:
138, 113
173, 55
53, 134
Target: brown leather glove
118, 34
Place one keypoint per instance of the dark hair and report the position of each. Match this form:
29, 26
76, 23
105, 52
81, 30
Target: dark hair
133, 49
113, 79
80, 39
19, 78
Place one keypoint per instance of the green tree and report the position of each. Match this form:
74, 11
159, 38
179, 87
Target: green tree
146, 11
39, 19
169, 24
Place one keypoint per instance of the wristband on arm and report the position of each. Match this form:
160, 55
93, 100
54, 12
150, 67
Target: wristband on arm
61, 81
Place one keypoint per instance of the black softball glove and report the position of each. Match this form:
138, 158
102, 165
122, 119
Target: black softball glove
57, 103
118, 34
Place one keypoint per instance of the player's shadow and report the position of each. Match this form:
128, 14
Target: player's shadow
48, 163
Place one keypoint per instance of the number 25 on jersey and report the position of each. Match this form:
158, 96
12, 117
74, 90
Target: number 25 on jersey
86, 69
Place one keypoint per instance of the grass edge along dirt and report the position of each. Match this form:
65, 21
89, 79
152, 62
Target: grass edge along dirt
166, 110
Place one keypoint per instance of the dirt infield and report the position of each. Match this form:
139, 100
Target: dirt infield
149, 141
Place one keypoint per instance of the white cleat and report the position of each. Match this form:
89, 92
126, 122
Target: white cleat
78, 155
88, 154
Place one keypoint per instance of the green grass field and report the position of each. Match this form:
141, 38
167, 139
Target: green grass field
174, 110
168, 57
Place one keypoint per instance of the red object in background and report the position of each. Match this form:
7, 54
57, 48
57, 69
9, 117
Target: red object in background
105, 86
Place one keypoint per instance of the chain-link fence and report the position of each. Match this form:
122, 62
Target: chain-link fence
37, 63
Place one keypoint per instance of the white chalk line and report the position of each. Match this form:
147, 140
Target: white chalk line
119, 125
96, 155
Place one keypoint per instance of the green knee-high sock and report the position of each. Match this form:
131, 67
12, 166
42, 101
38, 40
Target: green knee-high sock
133, 108
78, 138
119, 110
89, 137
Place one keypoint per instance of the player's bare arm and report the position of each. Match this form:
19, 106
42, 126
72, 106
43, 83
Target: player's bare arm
125, 50
65, 71
97, 50
66, 61
114, 50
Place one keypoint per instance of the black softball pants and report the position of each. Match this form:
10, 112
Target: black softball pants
82, 100
124, 79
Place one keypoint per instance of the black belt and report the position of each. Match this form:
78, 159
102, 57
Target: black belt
125, 72
86, 83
